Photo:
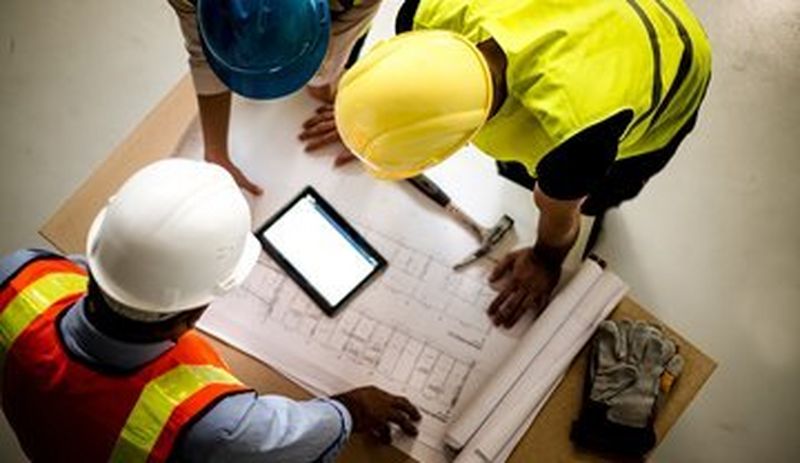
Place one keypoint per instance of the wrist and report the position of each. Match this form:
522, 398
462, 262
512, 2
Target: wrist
549, 257
352, 409
344, 401
344, 412
551, 249
212, 155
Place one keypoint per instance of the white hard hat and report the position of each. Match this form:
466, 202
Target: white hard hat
176, 235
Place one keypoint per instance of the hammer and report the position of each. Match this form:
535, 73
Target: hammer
487, 237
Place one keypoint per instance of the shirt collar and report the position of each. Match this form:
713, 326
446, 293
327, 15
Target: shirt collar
86, 342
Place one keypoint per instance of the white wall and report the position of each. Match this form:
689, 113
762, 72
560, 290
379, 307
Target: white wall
75, 78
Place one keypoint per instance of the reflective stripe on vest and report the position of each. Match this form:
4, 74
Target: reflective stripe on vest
685, 64
156, 404
655, 47
34, 299
133, 417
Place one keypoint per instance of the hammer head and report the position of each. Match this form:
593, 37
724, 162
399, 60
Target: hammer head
495, 234
489, 240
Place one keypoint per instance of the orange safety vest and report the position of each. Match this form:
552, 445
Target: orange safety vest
64, 410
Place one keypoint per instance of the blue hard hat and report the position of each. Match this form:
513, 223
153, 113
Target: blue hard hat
264, 48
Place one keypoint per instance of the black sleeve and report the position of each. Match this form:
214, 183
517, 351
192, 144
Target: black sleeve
404, 21
575, 167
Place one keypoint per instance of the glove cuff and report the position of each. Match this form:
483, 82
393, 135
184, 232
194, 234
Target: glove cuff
593, 431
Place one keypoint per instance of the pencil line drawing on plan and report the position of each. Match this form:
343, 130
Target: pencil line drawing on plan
388, 341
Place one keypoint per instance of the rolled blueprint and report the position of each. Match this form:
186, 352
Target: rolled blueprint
514, 440
538, 380
557, 312
470, 454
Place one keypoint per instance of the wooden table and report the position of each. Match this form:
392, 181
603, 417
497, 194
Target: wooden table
547, 440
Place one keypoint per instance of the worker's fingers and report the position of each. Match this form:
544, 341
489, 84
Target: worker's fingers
320, 117
406, 406
245, 182
498, 301
384, 433
325, 112
313, 145
528, 303
240, 178
505, 264
402, 419
322, 141
315, 121
506, 311
249, 186
344, 157
318, 129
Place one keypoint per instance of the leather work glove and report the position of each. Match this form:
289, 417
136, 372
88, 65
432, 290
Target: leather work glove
630, 364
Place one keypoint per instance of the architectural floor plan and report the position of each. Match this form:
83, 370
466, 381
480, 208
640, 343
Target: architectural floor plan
420, 330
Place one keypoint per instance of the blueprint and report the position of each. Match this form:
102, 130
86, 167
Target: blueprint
419, 330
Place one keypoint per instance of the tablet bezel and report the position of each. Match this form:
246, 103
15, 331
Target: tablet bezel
298, 277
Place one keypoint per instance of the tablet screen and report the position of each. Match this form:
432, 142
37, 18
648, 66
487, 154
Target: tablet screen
319, 249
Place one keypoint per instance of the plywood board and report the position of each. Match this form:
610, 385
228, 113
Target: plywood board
548, 438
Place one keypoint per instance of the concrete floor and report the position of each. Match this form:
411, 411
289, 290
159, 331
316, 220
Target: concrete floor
711, 246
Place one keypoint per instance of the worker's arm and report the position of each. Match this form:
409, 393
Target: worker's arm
246, 428
349, 24
564, 179
215, 115
213, 97
528, 276
320, 131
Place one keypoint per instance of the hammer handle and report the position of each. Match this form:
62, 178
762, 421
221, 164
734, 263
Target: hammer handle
430, 189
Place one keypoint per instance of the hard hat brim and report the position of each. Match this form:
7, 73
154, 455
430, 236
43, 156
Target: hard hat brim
271, 83
396, 140
96, 269
248, 259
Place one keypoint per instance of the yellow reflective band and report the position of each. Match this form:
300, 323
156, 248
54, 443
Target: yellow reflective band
34, 300
157, 402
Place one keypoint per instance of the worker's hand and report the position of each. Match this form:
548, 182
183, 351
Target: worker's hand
373, 410
320, 131
526, 284
324, 93
224, 161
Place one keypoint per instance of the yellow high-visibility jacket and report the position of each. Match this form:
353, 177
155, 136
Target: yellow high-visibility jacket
574, 63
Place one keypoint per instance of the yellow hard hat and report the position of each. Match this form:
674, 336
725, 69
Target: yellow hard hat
412, 101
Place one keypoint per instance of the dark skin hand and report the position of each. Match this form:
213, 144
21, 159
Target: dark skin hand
374, 411
527, 276
527, 285
223, 160
320, 131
